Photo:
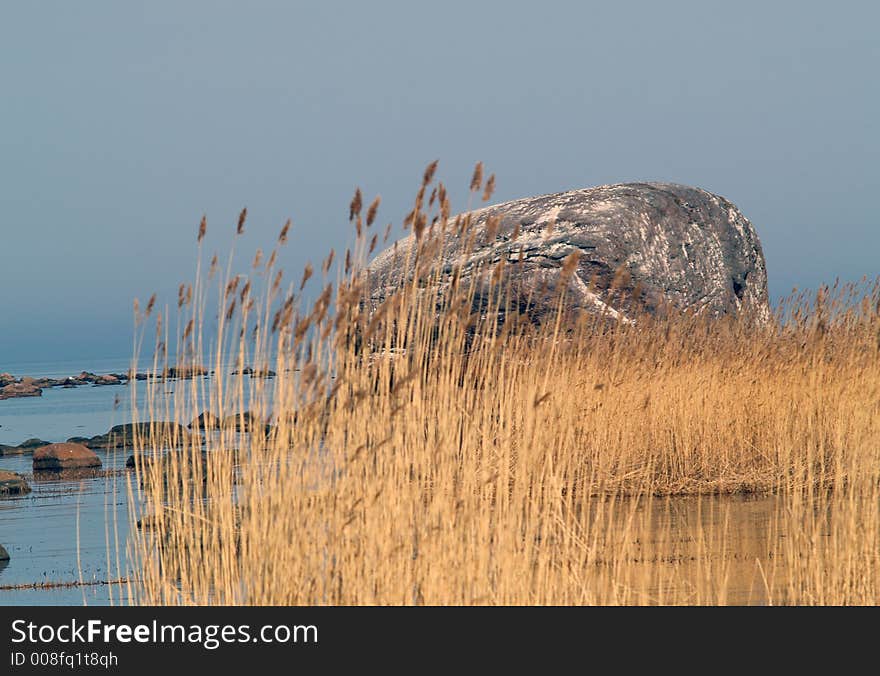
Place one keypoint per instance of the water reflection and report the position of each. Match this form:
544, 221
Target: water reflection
723, 544
59, 533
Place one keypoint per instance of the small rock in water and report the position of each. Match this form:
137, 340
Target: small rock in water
12, 450
98, 442
123, 436
185, 372
143, 459
26, 388
255, 373
58, 457
243, 422
205, 421
164, 431
23, 448
12, 483
149, 521
33, 443
4, 555
107, 380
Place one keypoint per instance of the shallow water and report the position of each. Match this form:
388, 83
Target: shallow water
39, 530
730, 540
56, 534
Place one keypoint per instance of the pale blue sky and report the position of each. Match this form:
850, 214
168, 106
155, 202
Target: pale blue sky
122, 122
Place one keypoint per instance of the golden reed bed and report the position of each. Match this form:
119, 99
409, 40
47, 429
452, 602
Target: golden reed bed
419, 454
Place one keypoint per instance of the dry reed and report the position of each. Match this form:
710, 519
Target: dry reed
418, 452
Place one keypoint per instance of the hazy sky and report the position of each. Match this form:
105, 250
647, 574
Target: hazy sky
122, 122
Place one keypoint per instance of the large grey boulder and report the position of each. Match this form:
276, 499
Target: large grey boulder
643, 247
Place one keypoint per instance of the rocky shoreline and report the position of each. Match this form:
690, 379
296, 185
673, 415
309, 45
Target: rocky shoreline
13, 387
122, 437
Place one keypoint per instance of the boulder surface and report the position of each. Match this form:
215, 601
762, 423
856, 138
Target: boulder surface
642, 247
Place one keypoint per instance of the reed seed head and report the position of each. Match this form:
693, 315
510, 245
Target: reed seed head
242, 217
477, 177
428, 176
325, 268
282, 237
490, 188
354, 208
307, 273
371, 212
276, 283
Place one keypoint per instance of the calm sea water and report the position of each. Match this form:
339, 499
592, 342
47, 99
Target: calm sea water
60, 532
57, 532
